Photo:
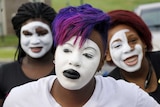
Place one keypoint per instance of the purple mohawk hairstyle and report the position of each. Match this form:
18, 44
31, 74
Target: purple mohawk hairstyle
79, 21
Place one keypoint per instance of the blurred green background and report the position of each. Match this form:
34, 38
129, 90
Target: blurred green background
8, 43
105, 5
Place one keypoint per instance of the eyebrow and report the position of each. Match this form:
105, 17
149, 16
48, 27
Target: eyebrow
90, 48
131, 34
68, 44
117, 40
84, 48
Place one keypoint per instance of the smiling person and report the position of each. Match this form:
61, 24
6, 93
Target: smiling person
80, 36
35, 52
129, 48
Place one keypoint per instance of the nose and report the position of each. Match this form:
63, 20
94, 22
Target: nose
75, 60
127, 48
35, 40
75, 64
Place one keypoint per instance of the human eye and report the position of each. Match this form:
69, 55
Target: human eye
66, 50
87, 55
116, 45
27, 33
133, 40
43, 32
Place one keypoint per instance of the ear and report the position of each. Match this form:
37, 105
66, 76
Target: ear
108, 56
144, 47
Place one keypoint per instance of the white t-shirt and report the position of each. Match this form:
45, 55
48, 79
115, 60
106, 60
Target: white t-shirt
108, 93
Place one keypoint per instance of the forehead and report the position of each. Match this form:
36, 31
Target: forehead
119, 36
115, 29
36, 19
34, 24
88, 43
95, 37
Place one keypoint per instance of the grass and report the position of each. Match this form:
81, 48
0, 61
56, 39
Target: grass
7, 47
8, 40
7, 54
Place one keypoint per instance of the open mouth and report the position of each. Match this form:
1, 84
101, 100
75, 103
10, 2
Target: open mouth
36, 49
71, 74
131, 61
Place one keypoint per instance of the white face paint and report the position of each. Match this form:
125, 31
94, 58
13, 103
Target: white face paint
76, 66
36, 39
122, 54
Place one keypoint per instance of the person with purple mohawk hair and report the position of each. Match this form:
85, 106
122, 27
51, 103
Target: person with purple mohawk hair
79, 21
80, 35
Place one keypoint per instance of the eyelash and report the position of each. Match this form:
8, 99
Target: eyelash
117, 45
66, 50
133, 41
42, 33
87, 55
28, 34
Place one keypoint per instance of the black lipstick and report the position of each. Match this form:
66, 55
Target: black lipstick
70, 73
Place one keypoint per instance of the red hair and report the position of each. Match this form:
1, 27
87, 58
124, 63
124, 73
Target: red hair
129, 18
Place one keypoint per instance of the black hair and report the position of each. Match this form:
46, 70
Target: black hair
31, 10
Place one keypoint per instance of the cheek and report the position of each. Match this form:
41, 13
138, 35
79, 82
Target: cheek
60, 57
115, 54
93, 65
24, 40
140, 49
47, 39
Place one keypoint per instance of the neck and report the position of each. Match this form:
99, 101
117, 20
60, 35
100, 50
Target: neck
48, 58
142, 77
36, 68
76, 98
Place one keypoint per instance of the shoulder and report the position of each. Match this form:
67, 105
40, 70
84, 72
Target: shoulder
115, 73
9, 66
32, 90
153, 56
112, 82
121, 90
39, 84
119, 86
6, 70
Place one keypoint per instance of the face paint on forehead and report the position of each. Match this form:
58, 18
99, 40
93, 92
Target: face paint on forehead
119, 35
31, 26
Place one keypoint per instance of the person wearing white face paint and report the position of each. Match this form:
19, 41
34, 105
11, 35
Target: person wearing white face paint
80, 36
129, 48
36, 39
35, 51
